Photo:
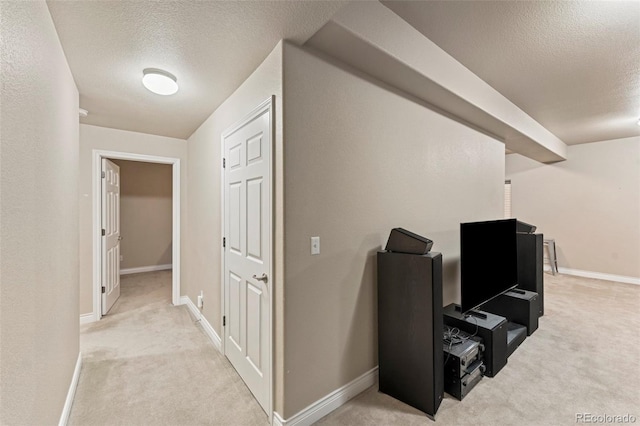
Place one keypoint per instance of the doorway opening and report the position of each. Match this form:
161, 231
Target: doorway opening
145, 233
98, 156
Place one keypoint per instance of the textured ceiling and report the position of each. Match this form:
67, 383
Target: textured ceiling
210, 46
574, 66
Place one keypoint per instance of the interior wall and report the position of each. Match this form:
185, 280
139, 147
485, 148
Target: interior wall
204, 204
105, 139
145, 213
590, 204
39, 330
361, 159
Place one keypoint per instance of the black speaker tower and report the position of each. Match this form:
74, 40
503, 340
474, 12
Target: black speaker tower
410, 351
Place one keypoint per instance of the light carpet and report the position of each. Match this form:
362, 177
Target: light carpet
583, 359
148, 363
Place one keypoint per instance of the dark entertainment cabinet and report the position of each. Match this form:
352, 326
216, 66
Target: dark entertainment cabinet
410, 351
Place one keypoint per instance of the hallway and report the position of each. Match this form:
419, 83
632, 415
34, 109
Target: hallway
148, 363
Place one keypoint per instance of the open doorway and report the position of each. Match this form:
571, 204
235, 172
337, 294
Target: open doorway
166, 256
145, 216
145, 232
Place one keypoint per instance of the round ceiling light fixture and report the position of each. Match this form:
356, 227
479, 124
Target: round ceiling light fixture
159, 81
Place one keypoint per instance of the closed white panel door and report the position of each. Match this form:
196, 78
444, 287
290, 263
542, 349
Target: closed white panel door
247, 230
110, 234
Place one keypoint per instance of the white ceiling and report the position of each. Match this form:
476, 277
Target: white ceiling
572, 66
210, 46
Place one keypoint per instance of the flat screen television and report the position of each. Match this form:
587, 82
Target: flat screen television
488, 261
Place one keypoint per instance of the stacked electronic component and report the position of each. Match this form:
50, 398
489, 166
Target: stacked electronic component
463, 362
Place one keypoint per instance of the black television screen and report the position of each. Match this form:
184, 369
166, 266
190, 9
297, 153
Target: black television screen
488, 261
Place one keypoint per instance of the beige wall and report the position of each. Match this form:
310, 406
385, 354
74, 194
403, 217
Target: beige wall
145, 213
38, 218
105, 139
590, 204
205, 164
360, 160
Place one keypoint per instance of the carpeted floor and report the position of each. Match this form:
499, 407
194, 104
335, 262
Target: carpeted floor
148, 363
584, 358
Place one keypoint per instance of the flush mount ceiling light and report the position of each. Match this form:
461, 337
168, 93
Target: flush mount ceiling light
159, 81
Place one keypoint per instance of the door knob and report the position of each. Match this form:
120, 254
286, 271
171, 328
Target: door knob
263, 278
119, 238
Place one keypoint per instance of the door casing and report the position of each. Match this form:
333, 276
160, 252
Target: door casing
267, 105
97, 156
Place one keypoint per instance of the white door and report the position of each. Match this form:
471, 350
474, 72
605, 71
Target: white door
110, 234
247, 252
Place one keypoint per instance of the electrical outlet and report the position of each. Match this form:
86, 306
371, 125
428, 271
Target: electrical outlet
315, 245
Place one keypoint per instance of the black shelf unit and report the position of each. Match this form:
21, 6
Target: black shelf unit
410, 350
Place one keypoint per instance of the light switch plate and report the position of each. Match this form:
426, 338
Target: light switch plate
315, 245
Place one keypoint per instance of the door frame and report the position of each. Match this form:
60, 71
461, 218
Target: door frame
97, 156
266, 105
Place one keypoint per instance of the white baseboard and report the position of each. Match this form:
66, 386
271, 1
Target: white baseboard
151, 268
206, 326
66, 410
87, 318
596, 275
330, 402
217, 342
184, 300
